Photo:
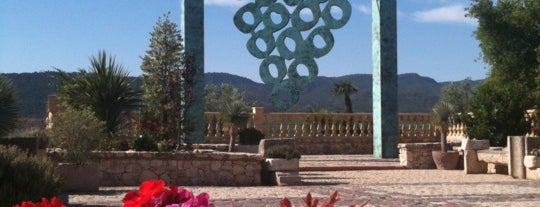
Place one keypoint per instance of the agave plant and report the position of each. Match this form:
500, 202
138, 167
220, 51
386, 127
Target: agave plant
8, 107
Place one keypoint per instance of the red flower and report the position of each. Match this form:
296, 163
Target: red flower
44, 203
154, 194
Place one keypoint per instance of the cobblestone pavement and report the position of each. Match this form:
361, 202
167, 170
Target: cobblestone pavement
379, 187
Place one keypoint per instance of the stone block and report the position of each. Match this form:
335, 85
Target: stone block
495, 168
471, 163
531, 162
288, 178
267, 143
533, 174
473, 144
497, 156
79, 178
273, 164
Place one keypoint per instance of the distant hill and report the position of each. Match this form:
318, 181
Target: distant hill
416, 93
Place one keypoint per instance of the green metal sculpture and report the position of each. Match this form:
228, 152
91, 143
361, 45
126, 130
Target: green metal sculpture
264, 27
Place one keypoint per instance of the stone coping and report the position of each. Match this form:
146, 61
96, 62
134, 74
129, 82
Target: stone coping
181, 155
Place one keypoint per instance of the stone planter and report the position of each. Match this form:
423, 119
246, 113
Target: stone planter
79, 178
281, 172
248, 148
445, 160
531, 161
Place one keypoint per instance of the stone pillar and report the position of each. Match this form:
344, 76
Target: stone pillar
385, 107
471, 164
194, 48
258, 116
516, 154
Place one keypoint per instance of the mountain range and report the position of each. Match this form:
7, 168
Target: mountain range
416, 94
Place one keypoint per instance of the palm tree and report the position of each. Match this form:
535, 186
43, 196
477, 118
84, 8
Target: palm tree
8, 107
105, 89
234, 115
345, 89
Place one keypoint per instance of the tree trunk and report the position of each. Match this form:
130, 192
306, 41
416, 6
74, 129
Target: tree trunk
444, 132
348, 104
233, 132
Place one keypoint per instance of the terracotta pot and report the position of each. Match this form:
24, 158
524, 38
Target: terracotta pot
446, 160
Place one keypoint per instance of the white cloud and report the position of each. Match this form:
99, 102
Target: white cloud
230, 3
363, 9
446, 14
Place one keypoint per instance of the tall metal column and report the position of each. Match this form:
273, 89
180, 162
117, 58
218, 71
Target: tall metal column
385, 106
194, 47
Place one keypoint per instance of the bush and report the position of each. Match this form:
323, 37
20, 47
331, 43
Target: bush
144, 143
78, 132
25, 178
8, 107
283, 152
250, 136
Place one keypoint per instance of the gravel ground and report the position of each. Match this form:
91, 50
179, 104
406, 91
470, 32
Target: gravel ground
381, 188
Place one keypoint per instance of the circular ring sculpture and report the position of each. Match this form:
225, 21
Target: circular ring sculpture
269, 18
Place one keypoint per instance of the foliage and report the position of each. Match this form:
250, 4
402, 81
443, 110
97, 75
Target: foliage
234, 113
535, 152
163, 70
105, 89
250, 136
154, 193
24, 177
283, 152
313, 202
78, 132
166, 145
144, 143
497, 112
345, 89
508, 32
453, 103
54, 202
216, 96
8, 107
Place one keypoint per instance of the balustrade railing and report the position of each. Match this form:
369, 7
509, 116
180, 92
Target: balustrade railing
413, 126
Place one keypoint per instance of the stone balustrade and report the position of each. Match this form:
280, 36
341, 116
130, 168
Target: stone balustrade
182, 168
413, 127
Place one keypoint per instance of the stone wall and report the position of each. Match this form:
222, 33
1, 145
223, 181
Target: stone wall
327, 145
418, 155
335, 145
185, 168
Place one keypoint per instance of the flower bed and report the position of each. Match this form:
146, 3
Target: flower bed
182, 168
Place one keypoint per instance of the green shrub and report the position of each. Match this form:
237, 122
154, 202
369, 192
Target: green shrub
8, 107
25, 177
144, 143
283, 152
250, 136
78, 132
535, 152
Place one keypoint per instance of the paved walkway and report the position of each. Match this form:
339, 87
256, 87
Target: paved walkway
396, 187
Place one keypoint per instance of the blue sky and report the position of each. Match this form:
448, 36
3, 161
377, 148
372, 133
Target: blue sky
434, 37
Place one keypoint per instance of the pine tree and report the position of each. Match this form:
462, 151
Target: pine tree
163, 67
